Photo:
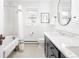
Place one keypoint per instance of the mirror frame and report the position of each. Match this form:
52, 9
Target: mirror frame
58, 14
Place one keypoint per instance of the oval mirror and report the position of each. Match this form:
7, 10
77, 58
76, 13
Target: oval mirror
64, 12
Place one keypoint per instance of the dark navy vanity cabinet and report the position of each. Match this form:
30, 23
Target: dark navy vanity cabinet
51, 51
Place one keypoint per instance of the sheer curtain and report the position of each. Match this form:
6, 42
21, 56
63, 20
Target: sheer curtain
1, 16
20, 22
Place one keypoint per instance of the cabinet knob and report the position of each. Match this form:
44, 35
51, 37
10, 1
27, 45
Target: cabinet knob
55, 17
74, 17
52, 55
47, 44
51, 47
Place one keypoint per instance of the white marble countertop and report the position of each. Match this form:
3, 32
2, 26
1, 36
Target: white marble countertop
61, 40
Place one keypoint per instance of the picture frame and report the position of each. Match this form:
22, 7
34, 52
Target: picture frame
45, 18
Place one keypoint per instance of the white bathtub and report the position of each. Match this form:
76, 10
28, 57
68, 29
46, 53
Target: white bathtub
8, 46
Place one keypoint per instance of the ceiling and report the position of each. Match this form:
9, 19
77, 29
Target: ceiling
25, 2
29, 0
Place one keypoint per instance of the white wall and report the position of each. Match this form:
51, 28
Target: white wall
53, 9
38, 28
73, 26
43, 6
1, 16
10, 18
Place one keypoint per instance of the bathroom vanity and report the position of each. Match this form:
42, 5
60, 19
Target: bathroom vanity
56, 43
64, 43
51, 51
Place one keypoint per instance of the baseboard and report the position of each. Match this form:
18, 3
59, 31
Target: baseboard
31, 42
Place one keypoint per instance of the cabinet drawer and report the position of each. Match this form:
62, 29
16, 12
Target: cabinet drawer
55, 51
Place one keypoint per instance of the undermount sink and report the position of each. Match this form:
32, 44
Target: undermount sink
60, 33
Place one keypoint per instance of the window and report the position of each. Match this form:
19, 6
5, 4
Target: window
32, 16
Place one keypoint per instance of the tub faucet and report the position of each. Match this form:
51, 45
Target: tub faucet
1, 38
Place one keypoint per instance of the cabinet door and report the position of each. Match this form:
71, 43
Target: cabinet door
54, 50
46, 46
50, 54
1, 16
